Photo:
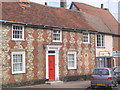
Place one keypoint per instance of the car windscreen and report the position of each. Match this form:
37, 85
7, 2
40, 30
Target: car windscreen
101, 72
117, 69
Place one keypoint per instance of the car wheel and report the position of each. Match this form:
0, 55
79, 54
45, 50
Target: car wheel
116, 84
110, 87
92, 87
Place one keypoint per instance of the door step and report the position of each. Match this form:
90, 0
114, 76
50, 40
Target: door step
53, 82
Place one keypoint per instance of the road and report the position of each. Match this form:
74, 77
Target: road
115, 88
81, 85
72, 84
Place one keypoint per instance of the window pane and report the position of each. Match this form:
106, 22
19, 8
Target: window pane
14, 67
101, 72
101, 62
85, 37
71, 60
17, 67
17, 32
100, 40
14, 58
71, 63
20, 36
17, 62
19, 58
56, 35
71, 57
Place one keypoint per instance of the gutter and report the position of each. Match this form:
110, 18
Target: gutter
48, 26
55, 27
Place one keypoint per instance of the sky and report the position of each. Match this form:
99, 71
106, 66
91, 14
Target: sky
112, 5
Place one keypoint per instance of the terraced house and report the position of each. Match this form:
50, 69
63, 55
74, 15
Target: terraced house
108, 36
41, 43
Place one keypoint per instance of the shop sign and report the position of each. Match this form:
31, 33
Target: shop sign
116, 53
104, 53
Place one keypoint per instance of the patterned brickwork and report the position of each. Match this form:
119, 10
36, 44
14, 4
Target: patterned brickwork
5, 56
34, 48
0, 56
40, 56
85, 54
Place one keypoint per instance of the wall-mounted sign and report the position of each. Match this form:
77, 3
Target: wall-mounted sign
104, 53
116, 53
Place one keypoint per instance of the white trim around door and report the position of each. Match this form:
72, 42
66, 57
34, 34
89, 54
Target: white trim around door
53, 50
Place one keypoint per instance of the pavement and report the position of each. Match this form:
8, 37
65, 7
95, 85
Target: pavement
71, 84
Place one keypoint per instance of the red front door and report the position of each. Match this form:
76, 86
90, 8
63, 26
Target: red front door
51, 63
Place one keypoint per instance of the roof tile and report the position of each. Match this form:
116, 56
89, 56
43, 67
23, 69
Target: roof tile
44, 15
105, 16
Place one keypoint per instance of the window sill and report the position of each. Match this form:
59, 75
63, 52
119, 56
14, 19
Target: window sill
18, 40
100, 47
21, 72
85, 42
57, 41
72, 68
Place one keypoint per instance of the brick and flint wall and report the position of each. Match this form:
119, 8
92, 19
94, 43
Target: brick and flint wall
35, 55
116, 48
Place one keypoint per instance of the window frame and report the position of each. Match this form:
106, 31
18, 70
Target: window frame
60, 36
102, 40
23, 62
22, 32
100, 62
87, 38
75, 67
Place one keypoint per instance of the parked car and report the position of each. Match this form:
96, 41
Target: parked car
116, 71
103, 77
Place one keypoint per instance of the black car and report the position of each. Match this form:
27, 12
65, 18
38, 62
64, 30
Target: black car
117, 73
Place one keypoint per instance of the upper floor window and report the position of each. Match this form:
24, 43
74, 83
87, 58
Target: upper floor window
86, 38
57, 36
17, 32
71, 60
18, 62
100, 40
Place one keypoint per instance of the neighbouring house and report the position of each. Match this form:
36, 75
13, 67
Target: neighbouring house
41, 43
107, 40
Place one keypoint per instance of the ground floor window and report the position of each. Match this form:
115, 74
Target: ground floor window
71, 60
18, 62
101, 62
105, 62
109, 63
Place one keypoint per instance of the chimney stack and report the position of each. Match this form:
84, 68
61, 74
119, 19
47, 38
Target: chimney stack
46, 3
63, 3
24, 3
101, 5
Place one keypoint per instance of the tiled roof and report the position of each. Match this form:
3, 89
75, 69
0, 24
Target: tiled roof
97, 23
44, 15
105, 16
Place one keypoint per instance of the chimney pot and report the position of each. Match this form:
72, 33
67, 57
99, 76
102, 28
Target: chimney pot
24, 3
101, 5
63, 3
46, 3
